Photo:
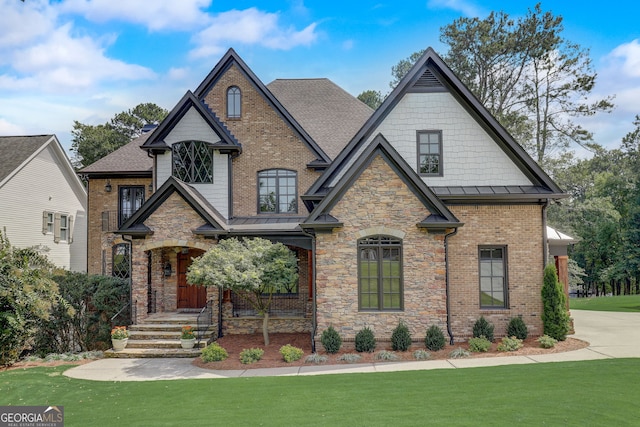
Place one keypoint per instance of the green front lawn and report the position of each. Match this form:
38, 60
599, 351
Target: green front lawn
627, 303
569, 394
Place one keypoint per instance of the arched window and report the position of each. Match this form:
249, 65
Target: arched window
277, 191
192, 161
234, 102
380, 273
120, 261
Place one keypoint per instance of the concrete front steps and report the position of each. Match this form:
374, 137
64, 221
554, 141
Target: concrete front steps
159, 336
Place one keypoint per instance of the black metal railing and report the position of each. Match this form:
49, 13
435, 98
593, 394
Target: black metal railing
204, 320
125, 316
282, 305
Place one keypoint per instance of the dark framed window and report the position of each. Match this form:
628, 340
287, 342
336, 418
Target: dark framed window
380, 273
234, 102
130, 198
120, 259
192, 161
493, 276
277, 191
430, 153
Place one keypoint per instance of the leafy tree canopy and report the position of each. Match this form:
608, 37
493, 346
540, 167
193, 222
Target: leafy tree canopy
90, 143
373, 98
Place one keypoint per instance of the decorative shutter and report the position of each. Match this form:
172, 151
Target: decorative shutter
70, 229
56, 228
45, 217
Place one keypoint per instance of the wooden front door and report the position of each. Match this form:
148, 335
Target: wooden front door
189, 296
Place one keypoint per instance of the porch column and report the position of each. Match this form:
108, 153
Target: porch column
562, 266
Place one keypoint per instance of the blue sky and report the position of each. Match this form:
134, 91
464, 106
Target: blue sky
87, 60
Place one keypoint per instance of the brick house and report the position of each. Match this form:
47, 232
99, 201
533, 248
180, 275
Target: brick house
425, 211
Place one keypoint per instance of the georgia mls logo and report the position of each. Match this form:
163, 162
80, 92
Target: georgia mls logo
31, 416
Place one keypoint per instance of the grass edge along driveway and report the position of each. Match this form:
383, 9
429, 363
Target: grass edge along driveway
600, 392
621, 303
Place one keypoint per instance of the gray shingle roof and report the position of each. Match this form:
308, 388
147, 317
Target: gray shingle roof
14, 150
327, 112
128, 158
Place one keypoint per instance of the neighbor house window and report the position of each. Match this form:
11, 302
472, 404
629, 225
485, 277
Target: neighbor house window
47, 222
493, 276
129, 201
277, 191
120, 261
430, 153
234, 105
192, 161
62, 227
380, 273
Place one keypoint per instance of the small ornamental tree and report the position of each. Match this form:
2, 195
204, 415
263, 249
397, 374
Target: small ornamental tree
555, 319
254, 269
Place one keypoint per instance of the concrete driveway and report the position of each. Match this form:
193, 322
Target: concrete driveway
608, 333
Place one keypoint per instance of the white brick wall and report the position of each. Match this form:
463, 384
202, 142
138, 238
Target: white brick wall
470, 155
193, 127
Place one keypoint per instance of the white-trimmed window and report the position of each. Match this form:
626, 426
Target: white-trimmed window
62, 227
47, 222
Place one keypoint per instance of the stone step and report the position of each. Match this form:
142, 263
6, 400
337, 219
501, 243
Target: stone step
163, 326
134, 353
159, 343
172, 318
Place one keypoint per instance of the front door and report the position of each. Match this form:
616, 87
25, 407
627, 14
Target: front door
189, 296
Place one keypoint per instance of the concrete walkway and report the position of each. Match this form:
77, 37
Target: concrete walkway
610, 335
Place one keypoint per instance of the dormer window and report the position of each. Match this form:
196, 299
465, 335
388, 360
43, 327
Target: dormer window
234, 102
192, 161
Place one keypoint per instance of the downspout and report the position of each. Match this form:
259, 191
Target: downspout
446, 279
314, 322
130, 241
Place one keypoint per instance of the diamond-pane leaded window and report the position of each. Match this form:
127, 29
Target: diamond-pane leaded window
121, 256
192, 161
380, 273
277, 191
430, 153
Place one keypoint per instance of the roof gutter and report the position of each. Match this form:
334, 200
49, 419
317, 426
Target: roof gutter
446, 279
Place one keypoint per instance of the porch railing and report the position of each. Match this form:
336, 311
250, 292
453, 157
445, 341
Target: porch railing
125, 316
204, 320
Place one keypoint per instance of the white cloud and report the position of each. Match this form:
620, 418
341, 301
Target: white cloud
466, 8
9, 129
61, 62
22, 22
155, 14
249, 26
627, 58
177, 73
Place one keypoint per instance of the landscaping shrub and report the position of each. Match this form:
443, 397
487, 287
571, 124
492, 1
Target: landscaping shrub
349, 358
401, 337
483, 328
555, 319
386, 355
421, 355
365, 341
510, 344
331, 340
479, 345
316, 358
517, 328
459, 353
290, 353
251, 355
434, 340
214, 353
546, 341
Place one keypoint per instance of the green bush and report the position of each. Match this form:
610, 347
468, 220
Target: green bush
483, 328
421, 355
365, 341
214, 353
386, 355
555, 319
290, 353
459, 353
251, 355
517, 328
349, 358
316, 358
510, 344
401, 337
546, 341
331, 340
479, 345
434, 340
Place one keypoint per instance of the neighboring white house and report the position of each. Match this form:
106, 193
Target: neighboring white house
43, 203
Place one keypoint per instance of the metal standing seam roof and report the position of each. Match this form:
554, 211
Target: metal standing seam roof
128, 158
327, 112
15, 150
